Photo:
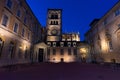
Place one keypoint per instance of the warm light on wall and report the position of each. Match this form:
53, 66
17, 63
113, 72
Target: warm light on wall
57, 59
104, 46
83, 50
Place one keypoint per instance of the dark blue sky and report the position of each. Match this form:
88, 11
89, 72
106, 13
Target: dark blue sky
76, 15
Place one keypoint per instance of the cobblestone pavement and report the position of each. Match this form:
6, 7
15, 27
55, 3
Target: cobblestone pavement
61, 71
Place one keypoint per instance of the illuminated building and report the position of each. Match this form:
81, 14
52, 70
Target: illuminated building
19, 30
23, 40
104, 36
60, 47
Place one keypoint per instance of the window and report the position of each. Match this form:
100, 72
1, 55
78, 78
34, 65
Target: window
62, 44
110, 45
74, 44
28, 35
54, 51
5, 20
23, 32
49, 44
117, 12
51, 23
9, 4
54, 44
105, 22
69, 51
54, 16
75, 52
15, 27
1, 46
18, 13
69, 44
11, 49
56, 22
48, 52
62, 51
25, 20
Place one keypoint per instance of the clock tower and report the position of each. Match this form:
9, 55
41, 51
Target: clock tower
54, 24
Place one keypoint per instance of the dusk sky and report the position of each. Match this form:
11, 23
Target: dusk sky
76, 15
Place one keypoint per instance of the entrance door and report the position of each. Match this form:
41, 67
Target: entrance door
62, 60
40, 56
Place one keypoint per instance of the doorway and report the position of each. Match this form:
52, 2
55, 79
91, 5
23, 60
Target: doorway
40, 55
62, 60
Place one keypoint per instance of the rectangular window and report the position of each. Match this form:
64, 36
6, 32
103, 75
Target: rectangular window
75, 52
28, 35
25, 20
110, 45
15, 27
5, 20
117, 12
69, 51
62, 51
9, 4
54, 51
105, 22
18, 13
48, 52
23, 32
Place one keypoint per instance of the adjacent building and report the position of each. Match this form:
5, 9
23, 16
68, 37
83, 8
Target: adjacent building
19, 31
104, 36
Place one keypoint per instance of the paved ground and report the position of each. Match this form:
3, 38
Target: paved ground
62, 71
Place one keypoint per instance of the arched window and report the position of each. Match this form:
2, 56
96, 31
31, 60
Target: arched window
11, 49
1, 46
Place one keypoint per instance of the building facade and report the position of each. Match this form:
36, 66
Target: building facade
104, 36
60, 47
19, 30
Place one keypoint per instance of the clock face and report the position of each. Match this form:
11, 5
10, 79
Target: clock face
54, 32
